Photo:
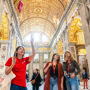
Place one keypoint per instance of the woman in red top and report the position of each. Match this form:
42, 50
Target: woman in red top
17, 64
54, 74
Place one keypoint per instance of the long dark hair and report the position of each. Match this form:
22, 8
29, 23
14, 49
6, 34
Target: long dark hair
16, 54
58, 57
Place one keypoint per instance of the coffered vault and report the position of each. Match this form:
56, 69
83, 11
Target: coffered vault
40, 16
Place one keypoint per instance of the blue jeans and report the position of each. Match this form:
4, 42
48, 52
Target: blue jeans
72, 83
16, 87
53, 84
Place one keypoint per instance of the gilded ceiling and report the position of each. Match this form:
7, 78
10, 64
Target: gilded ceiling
40, 15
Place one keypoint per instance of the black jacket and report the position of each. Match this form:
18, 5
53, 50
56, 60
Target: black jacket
73, 68
37, 80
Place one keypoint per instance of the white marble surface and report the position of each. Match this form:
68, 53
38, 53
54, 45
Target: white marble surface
29, 86
81, 85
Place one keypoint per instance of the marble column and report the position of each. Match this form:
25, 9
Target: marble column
30, 68
41, 64
10, 44
85, 27
66, 39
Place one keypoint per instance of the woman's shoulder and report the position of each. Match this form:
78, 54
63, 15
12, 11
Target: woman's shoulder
10, 58
48, 62
64, 63
60, 63
74, 61
8, 62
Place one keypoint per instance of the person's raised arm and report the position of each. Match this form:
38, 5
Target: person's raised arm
33, 50
47, 66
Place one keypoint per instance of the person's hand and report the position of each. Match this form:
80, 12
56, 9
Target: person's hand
13, 60
40, 83
65, 59
72, 75
61, 87
65, 73
50, 64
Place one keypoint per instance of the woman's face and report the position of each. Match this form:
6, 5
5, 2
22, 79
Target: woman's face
20, 51
35, 71
56, 57
68, 55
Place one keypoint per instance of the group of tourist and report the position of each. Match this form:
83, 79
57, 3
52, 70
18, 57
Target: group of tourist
57, 76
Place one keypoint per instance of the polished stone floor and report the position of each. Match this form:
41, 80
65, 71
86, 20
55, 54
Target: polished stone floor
81, 86
29, 86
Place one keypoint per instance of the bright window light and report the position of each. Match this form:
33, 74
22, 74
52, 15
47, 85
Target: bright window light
36, 56
44, 38
27, 38
36, 37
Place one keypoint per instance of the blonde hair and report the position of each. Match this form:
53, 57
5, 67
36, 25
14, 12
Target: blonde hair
71, 56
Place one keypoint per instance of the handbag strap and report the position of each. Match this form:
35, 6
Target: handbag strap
36, 76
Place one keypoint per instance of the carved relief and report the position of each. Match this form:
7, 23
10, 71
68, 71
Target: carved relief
75, 33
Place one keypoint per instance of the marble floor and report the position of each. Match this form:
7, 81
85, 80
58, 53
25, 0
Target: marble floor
81, 86
29, 86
